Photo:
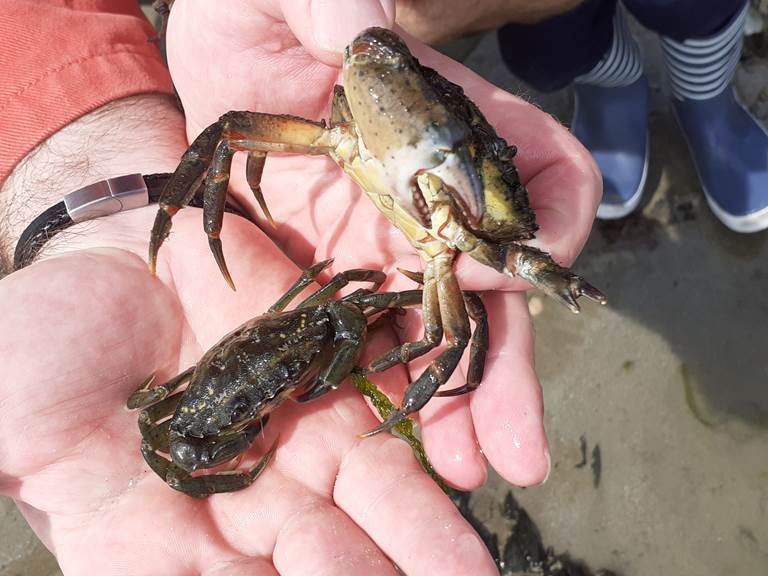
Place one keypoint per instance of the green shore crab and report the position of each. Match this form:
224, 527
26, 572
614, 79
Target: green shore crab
431, 163
302, 353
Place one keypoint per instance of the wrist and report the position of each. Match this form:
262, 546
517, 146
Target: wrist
144, 134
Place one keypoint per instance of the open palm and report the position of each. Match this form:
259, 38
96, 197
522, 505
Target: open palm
80, 330
248, 58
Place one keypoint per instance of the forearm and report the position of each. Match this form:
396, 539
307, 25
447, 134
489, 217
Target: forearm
142, 133
70, 110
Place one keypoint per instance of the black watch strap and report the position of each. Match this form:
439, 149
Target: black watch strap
93, 201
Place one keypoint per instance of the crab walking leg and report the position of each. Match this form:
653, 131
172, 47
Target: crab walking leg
254, 168
433, 329
338, 282
181, 187
340, 112
457, 332
381, 301
158, 435
306, 278
144, 396
478, 346
214, 199
250, 132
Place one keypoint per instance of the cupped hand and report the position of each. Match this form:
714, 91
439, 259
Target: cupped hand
82, 328
284, 57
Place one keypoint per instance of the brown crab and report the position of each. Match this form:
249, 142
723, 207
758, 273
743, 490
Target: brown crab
430, 162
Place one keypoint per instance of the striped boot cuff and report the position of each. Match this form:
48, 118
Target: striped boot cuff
701, 68
622, 64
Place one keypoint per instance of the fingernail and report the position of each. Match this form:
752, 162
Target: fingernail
549, 466
336, 22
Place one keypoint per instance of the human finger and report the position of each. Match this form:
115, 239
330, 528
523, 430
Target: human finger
326, 27
447, 430
507, 408
382, 488
449, 437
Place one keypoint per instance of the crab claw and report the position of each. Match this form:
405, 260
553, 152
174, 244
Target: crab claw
568, 289
548, 276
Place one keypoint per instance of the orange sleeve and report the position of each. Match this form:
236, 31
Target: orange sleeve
61, 59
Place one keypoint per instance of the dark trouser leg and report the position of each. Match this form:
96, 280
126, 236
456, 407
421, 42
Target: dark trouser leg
549, 55
684, 19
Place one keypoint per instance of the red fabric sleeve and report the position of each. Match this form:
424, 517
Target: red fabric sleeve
60, 59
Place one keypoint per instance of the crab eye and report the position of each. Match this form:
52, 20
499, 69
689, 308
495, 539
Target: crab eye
239, 409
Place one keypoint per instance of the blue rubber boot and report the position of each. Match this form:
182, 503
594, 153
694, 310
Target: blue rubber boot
613, 125
728, 145
611, 119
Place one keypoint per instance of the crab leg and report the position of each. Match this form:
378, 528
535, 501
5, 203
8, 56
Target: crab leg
306, 278
181, 188
478, 347
212, 151
457, 332
433, 330
214, 199
479, 344
376, 277
340, 112
538, 268
353, 328
512, 259
254, 168
380, 301
143, 396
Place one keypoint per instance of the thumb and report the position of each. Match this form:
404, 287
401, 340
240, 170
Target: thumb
325, 27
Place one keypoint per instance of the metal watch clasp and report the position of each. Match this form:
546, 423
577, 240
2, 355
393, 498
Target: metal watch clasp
107, 197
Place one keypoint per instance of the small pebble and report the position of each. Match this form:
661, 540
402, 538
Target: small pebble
535, 305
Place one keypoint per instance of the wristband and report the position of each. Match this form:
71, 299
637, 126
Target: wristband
94, 201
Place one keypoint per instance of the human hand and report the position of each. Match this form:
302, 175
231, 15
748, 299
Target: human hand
80, 330
264, 56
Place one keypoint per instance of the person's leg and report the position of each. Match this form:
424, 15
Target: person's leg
702, 42
610, 118
550, 54
591, 46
